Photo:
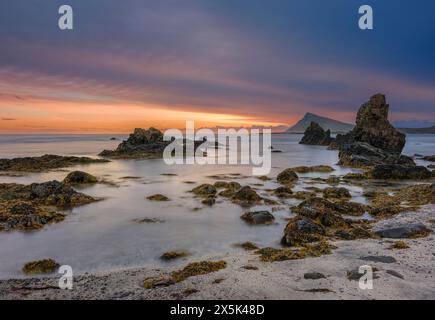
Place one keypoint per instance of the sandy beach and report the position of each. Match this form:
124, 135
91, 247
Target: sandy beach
411, 276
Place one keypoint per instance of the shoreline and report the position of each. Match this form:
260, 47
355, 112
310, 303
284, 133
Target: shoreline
277, 280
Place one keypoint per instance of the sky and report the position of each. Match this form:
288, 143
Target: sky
141, 63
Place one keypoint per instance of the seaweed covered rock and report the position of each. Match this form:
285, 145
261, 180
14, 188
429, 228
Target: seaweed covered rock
79, 177
258, 217
41, 266
197, 268
324, 218
45, 162
246, 196
287, 176
29, 207
397, 171
26, 216
142, 143
51, 193
204, 190
283, 192
300, 230
315, 135
336, 193
306, 251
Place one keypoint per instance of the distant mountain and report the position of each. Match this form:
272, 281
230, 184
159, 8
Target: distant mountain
418, 130
326, 123
414, 124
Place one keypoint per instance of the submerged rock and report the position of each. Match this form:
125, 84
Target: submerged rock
79, 177
287, 176
46, 162
315, 135
158, 197
397, 171
283, 192
172, 255
204, 190
302, 230
258, 217
306, 169
41, 266
429, 158
246, 196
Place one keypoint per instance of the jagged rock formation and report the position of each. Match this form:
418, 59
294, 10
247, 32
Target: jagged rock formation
315, 135
374, 140
141, 143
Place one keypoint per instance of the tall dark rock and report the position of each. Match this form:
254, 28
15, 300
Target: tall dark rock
373, 127
374, 140
315, 135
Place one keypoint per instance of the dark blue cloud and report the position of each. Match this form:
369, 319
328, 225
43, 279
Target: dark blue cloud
282, 55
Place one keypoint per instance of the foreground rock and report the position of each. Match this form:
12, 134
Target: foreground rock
315, 135
41, 266
258, 217
416, 230
318, 218
79, 177
30, 207
141, 143
288, 176
46, 162
373, 140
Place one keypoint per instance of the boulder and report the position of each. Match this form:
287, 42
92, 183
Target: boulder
301, 230
287, 176
336, 193
429, 158
398, 171
409, 231
246, 195
258, 217
79, 177
315, 135
205, 190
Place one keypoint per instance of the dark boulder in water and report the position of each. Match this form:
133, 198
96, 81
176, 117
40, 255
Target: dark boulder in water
79, 177
315, 135
258, 217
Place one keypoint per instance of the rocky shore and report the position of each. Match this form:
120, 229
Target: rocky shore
405, 272
327, 234
44, 163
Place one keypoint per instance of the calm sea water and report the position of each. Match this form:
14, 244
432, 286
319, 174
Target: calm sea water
104, 235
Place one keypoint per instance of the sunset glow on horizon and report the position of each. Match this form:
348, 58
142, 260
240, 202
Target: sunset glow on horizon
152, 63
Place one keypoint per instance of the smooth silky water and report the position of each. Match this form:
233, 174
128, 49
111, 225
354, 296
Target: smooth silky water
105, 236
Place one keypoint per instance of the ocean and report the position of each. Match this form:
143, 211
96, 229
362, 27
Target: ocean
105, 235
